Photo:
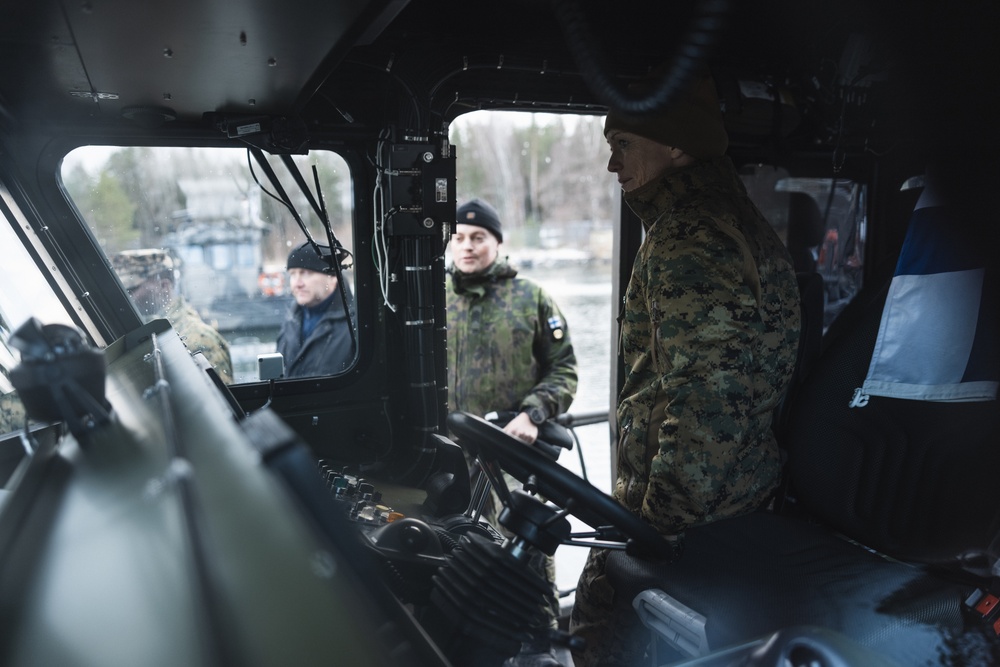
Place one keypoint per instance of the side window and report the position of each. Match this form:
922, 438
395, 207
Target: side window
32, 297
201, 237
822, 222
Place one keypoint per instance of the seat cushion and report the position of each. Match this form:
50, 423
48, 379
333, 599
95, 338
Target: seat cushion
759, 573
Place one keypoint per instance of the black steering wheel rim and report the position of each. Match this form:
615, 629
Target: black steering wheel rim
557, 484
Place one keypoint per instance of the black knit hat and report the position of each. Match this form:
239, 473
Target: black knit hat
305, 257
693, 122
479, 213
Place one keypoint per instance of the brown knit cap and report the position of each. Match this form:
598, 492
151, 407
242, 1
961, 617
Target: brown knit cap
692, 123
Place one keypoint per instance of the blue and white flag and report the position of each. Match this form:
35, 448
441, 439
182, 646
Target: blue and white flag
939, 339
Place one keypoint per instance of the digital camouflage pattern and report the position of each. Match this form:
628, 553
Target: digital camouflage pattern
508, 345
709, 336
199, 336
136, 267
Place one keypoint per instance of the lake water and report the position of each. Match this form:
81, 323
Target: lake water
584, 296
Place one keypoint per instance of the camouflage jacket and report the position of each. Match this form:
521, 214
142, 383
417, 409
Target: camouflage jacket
12, 413
199, 336
709, 335
508, 345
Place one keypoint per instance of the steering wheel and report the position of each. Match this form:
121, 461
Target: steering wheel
560, 486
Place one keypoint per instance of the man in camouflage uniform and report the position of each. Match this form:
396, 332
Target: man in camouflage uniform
508, 345
12, 413
149, 277
11, 409
509, 349
709, 335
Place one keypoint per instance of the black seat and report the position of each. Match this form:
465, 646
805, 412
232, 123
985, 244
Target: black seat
899, 496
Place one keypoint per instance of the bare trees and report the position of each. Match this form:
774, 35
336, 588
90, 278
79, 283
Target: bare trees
540, 170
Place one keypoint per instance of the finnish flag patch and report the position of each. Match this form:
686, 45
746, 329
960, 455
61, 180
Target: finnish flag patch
556, 327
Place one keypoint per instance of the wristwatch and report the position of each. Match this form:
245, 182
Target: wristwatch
536, 415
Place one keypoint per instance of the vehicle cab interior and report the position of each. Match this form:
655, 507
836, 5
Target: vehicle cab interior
163, 504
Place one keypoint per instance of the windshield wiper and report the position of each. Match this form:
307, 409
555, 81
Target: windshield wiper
338, 253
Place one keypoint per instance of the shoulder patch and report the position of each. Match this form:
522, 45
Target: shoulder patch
556, 327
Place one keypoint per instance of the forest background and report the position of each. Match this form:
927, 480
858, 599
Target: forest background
544, 173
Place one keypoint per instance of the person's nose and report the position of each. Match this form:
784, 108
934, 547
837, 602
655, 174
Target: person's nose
614, 164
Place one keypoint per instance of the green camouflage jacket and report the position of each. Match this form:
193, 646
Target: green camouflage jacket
508, 345
709, 335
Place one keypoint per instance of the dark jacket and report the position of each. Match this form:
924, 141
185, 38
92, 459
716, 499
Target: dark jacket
329, 348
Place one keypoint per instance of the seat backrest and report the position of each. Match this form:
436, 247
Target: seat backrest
910, 478
913, 479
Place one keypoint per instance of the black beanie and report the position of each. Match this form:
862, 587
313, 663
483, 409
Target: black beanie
305, 257
479, 213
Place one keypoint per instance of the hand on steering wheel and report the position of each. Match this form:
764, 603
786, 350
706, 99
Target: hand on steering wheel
560, 486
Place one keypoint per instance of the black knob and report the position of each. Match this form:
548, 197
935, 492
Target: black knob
412, 538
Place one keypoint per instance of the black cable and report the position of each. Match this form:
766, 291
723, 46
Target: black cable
335, 246
253, 174
692, 54
320, 207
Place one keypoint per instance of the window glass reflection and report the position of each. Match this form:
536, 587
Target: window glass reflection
215, 219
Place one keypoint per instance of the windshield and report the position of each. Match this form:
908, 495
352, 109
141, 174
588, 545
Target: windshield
202, 237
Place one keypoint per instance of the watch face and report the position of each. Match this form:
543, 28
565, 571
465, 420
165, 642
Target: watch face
536, 416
